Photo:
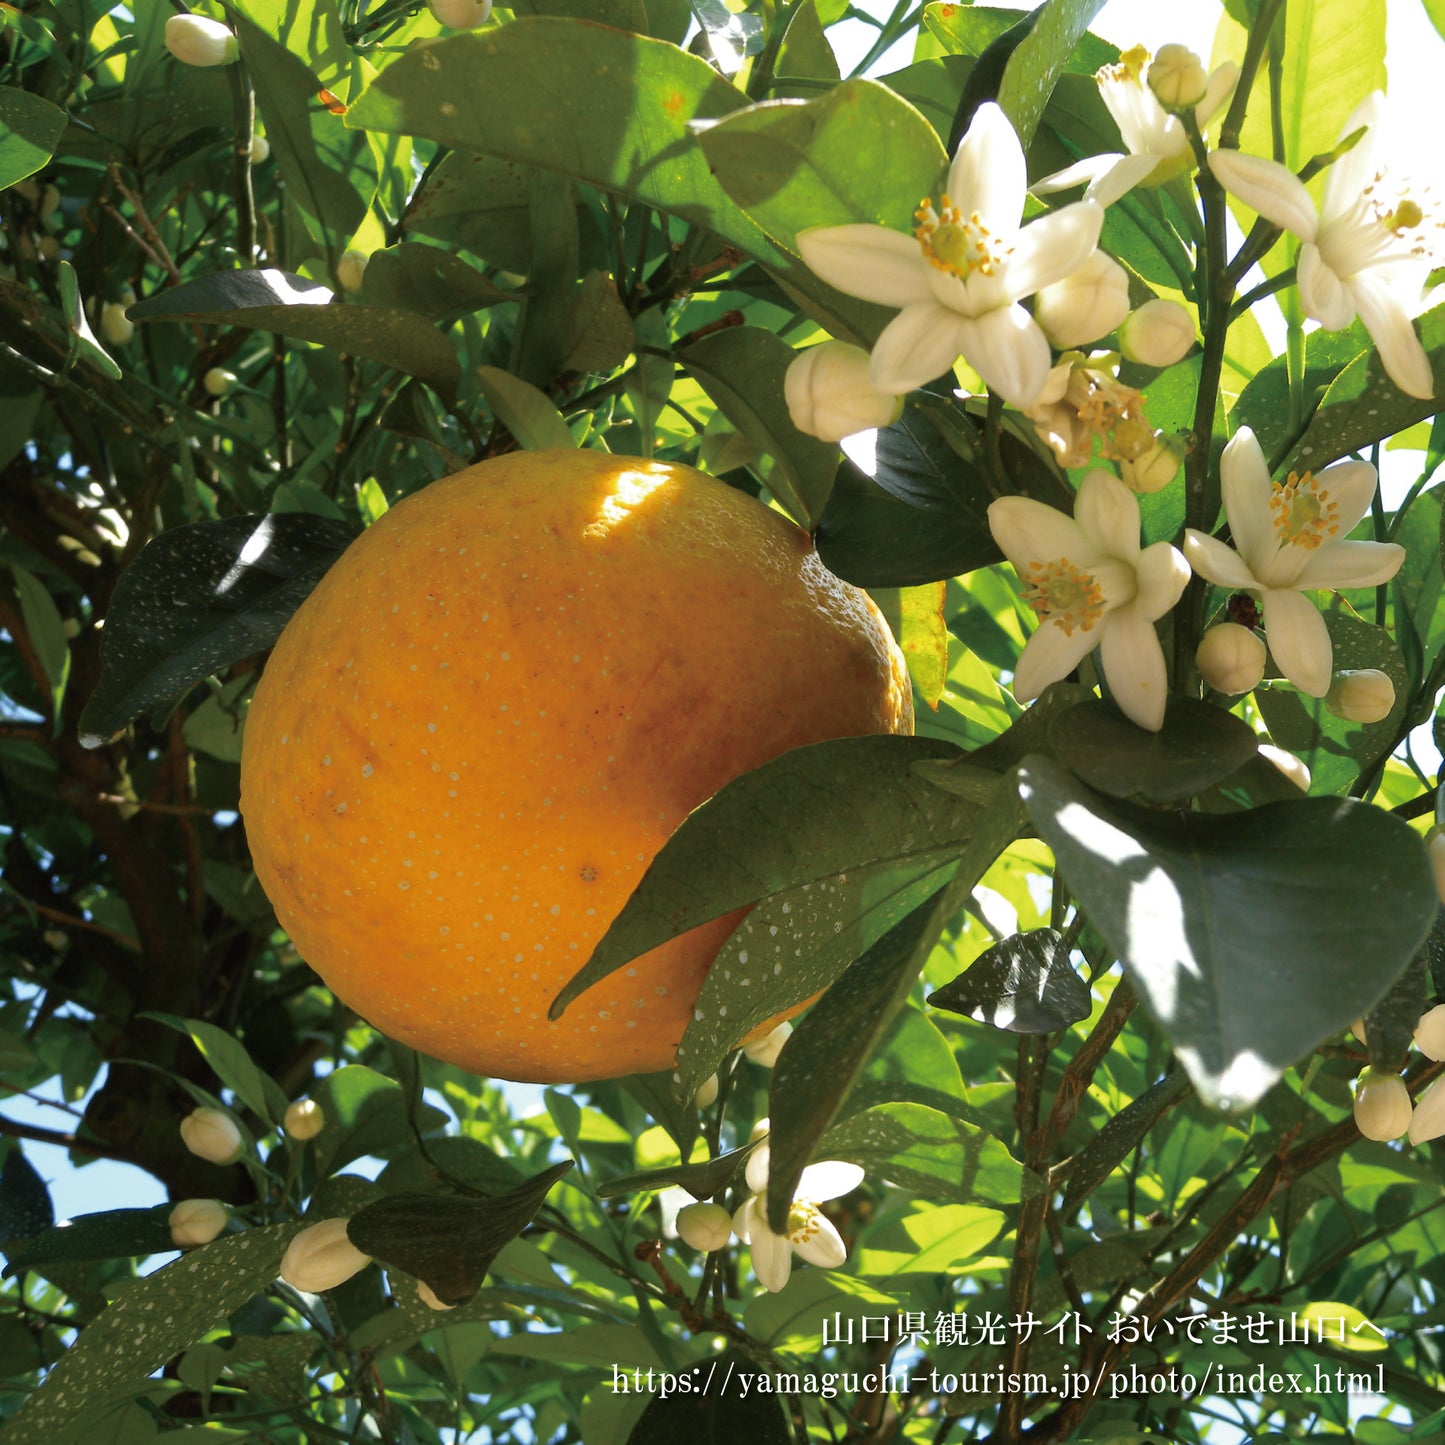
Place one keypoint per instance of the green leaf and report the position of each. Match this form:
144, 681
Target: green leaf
702, 1181
702, 1415
1024, 984
794, 1320
45, 628
525, 412
30, 130
814, 812
1390, 1025
449, 1242
260, 1093
1198, 746
1101, 1155
25, 1207
366, 1113
197, 599
1041, 57
935, 1239
83, 345
292, 306
1245, 957
742, 370
600, 333
971, 29
429, 281
155, 1319
479, 202
111, 1234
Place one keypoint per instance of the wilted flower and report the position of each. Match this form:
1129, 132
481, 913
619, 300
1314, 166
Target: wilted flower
1230, 659
198, 40
1291, 539
960, 277
197, 1221
1382, 1106
830, 394
1083, 403
212, 1134
322, 1257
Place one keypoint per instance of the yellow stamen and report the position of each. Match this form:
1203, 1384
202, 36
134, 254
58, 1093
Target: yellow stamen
803, 1219
1131, 66
1303, 512
955, 243
1113, 412
1060, 592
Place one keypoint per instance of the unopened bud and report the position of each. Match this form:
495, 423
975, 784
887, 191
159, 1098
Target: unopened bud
303, 1120
1358, 1029
760, 1130
1177, 77
1382, 1106
350, 269
1158, 333
322, 1257
1363, 696
705, 1227
707, 1093
765, 1050
260, 150
1288, 764
116, 328
1430, 1033
197, 1221
830, 394
1435, 842
460, 14
1086, 304
428, 1296
1428, 1119
1157, 467
1230, 659
218, 381
198, 40
212, 1134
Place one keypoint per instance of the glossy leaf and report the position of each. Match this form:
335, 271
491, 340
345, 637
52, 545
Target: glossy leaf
259, 1092
30, 130
366, 1113
1024, 984
1246, 958
198, 598
109, 1234
702, 1181
1041, 57
942, 1239
25, 1206
45, 628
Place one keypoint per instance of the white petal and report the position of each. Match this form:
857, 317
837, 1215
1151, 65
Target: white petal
1351, 485
1120, 179
1049, 655
829, 1179
1222, 80
1089, 169
1269, 188
1299, 640
1163, 574
1352, 564
1321, 292
1211, 559
921, 342
824, 1245
772, 1257
743, 1219
1347, 178
1133, 662
756, 1172
870, 262
1388, 322
1028, 531
1052, 247
1009, 351
1246, 487
1107, 513
988, 174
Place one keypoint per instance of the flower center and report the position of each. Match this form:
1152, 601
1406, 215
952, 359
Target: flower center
1131, 67
955, 243
1304, 515
802, 1221
1060, 592
1413, 216
1113, 412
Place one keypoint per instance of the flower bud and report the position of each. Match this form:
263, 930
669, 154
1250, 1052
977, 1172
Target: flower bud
1177, 77
350, 269
1358, 1029
1157, 467
322, 1257
197, 1221
1435, 842
1363, 696
428, 1296
116, 328
303, 1120
1296, 771
1086, 304
765, 1050
48, 248
197, 40
831, 396
1430, 1033
49, 202
1230, 659
1158, 333
260, 150
705, 1227
760, 1130
707, 1093
218, 381
1428, 1119
212, 1134
460, 14
1382, 1105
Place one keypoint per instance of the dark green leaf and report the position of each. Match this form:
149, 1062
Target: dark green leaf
804, 817
448, 1242
25, 1207
1120, 1136
45, 628
742, 369
1024, 984
429, 281
673, 1110
1251, 936
1390, 1025
111, 1234
699, 1415
600, 334
702, 1181
366, 1113
199, 598
1198, 746
260, 1093
1041, 57
480, 202
30, 130
292, 306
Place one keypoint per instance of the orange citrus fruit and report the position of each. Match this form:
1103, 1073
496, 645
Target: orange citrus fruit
475, 734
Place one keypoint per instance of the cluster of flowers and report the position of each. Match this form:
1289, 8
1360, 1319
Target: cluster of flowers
1383, 1107
959, 281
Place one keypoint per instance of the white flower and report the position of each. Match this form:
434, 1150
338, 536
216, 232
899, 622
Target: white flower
1086, 304
304, 1119
1363, 695
1177, 77
1367, 249
460, 14
198, 40
705, 1226
810, 1234
1430, 1033
1382, 1106
1158, 145
212, 1134
197, 1221
1428, 1119
322, 1257
765, 1050
1159, 333
830, 394
960, 277
1290, 537
1230, 659
1091, 586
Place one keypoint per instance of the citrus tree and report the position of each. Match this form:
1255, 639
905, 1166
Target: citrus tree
1102, 1099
